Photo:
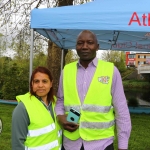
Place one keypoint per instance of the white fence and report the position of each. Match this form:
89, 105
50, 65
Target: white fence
143, 69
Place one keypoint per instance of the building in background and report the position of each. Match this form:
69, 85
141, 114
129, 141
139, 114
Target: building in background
134, 59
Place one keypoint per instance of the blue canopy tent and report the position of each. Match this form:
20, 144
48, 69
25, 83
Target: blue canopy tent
119, 24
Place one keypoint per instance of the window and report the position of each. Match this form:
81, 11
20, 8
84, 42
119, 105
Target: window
147, 56
131, 56
141, 56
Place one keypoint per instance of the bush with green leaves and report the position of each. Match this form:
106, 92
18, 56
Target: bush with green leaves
14, 74
133, 102
16, 81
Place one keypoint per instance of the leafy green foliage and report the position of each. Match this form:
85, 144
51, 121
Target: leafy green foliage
2, 44
71, 57
14, 74
136, 84
121, 65
40, 59
127, 72
15, 82
116, 57
133, 102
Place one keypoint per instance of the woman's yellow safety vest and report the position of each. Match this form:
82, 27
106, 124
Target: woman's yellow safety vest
43, 132
97, 116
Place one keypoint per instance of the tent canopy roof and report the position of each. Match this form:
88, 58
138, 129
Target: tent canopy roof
119, 24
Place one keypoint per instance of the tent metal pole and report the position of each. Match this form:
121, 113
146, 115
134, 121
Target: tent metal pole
62, 58
31, 55
62, 55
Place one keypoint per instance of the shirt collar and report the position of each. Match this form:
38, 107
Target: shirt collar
40, 99
93, 62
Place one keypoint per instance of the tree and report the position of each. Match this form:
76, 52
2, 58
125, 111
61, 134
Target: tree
54, 53
71, 57
122, 65
4, 64
116, 57
15, 21
14, 72
2, 44
40, 59
16, 81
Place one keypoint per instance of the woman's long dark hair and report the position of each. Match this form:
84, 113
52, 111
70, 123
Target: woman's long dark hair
50, 95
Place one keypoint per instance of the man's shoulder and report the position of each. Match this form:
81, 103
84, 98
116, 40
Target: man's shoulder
71, 64
105, 62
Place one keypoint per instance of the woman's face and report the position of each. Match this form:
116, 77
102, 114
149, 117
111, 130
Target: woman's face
41, 85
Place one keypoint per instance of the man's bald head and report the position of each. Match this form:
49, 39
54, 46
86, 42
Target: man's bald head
88, 31
86, 47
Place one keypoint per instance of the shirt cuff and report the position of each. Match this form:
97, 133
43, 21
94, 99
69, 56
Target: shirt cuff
122, 144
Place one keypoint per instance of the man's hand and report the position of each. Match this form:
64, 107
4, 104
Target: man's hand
69, 126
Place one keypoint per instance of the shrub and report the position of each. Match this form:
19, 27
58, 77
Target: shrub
133, 102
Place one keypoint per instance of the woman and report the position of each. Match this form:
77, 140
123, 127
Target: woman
34, 124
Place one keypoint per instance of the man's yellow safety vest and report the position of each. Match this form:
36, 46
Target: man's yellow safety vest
97, 115
43, 132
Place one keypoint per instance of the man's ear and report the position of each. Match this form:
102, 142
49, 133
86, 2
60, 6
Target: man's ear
98, 46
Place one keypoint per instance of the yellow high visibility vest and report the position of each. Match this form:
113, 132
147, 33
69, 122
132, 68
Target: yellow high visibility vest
97, 116
43, 132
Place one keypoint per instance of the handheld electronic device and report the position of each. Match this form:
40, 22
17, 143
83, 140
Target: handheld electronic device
73, 116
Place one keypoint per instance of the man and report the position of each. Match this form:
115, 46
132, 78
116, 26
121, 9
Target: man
94, 88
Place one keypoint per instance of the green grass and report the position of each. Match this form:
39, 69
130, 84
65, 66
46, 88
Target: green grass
139, 139
5, 136
140, 134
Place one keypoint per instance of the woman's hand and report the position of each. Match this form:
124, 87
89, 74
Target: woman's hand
69, 126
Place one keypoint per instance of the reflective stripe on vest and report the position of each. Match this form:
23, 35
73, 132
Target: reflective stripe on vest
37, 132
91, 108
97, 125
76, 107
59, 133
48, 146
94, 108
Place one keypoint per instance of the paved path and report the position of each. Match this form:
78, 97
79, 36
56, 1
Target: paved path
143, 103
